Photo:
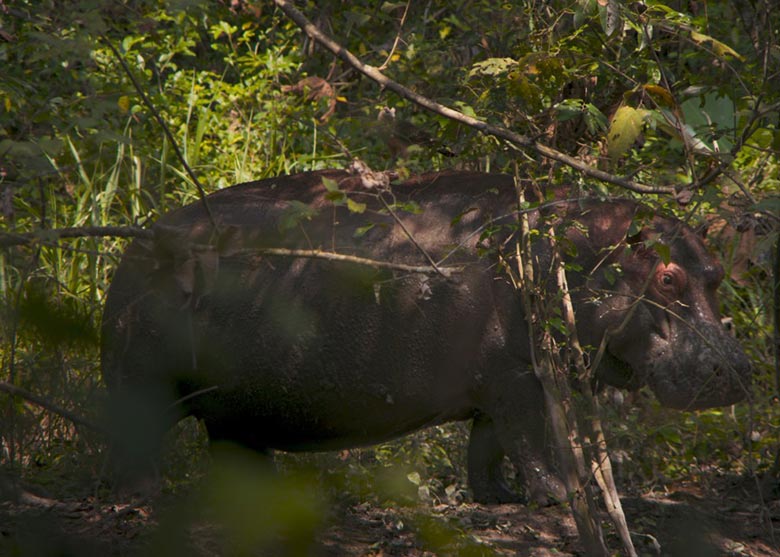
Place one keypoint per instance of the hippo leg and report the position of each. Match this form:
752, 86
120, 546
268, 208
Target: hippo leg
136, 425
485, 459
519, 424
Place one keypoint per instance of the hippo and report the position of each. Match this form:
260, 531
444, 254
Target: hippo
324, 311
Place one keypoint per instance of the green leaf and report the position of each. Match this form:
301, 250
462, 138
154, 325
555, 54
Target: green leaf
355, 206
330, 184
573, 108
465, 109
713, 117
635, 227
570, 108
391, 6
771, 205
408, 206
493, 66
583, 11
361, 231
610, 276
357, 18
663, 251
609, 14
296, 213
670, 435
624, 129
557, 324
595, 119
336, 197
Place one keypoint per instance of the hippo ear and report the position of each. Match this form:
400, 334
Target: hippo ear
634, 239
702, 230
639, 257
638, 244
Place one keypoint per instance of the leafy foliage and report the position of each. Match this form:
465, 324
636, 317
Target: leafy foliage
673, 93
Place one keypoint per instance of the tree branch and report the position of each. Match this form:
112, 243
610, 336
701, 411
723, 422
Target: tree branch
52, 235
49, 406
557, 394
446, 272
397, 36
520, 140
8, 239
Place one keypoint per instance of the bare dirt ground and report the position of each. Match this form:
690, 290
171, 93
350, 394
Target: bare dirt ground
725, 519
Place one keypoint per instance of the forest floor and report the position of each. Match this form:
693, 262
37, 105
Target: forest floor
724, 519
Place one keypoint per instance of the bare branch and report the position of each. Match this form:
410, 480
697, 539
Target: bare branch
520, 140
192, 395
8, 239
49, 406
411, 237
332, 256
601, 466
397, 36
557, 395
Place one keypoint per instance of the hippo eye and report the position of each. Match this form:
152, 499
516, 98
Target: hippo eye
671, 280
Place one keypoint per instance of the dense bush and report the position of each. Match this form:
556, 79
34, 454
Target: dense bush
672, 94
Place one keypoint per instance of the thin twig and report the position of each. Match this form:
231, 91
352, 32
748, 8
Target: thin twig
192, 395
397, 36
411, 237
373, 73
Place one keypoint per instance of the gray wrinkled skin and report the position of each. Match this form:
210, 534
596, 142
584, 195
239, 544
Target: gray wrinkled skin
308, 354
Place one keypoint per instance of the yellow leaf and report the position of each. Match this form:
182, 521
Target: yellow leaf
124, 103
721, 49
625, 127
8, 104
660, 94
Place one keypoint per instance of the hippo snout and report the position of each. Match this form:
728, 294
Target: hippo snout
702, 367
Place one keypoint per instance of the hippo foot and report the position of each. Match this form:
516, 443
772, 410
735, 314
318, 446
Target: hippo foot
141, 482
497, 494
547, 490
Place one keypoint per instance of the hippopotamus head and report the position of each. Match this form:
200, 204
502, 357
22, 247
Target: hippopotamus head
661, 319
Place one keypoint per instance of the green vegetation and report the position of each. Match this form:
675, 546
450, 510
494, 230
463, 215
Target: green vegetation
676, 94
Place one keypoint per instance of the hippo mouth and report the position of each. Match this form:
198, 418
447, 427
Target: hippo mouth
687, 368
718, 388
698, 370
617, 373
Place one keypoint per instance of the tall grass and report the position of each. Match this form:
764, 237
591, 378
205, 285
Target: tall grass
115, 167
